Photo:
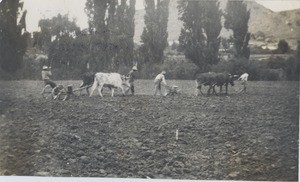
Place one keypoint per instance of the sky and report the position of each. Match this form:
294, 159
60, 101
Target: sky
39, 9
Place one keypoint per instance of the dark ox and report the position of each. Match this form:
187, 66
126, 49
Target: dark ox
212, 79
87, 81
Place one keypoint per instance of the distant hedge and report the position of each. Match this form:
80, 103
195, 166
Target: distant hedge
177, 67
273, 69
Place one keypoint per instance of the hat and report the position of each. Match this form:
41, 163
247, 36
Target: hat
163, 72
134, 68
45, 67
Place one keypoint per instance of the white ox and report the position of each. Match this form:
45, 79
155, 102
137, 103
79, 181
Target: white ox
111, 80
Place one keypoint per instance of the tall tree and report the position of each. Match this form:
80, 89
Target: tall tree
58, 36
237, 18
155, 35
13, 35
129, 32
111, 25
199, 38
123, 33
96, 11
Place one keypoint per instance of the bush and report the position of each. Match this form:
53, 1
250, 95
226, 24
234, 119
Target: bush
269, 75
273, 69
148, 71
31, 69
7, 76
290, 67
293, 68
177, 67
240, 66
276, 63
283, 46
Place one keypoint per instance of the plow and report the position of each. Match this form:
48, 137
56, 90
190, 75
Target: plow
172, 90
61, 92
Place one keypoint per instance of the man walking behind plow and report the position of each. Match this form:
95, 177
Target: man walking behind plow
159, 79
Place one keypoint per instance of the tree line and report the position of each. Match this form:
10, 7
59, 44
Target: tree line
107, 44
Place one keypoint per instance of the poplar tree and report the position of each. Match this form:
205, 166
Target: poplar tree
200, 36
13, 35
155, 36
96, 11
236, 18
124, 33
111, 25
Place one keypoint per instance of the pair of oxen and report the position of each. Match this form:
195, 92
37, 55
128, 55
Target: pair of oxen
212, 79
109, 80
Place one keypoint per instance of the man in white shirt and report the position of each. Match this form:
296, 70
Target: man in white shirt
160, 78
244, 79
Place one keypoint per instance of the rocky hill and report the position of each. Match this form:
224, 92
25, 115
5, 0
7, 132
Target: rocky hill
266, 26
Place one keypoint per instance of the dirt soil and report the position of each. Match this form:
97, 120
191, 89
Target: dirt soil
250, 136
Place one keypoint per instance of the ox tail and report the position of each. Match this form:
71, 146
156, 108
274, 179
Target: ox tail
82, 84
95, 85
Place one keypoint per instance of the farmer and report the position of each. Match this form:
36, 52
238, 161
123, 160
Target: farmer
160, 78
46, 73
244, 79
132, 76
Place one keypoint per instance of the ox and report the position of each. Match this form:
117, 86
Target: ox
111, 80
87, 81
212, 79
223, 79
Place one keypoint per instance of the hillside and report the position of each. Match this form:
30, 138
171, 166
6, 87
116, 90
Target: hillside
266, 25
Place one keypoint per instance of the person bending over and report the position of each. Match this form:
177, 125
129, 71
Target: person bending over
159, 79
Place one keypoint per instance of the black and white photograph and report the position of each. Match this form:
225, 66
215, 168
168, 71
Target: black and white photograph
126, 90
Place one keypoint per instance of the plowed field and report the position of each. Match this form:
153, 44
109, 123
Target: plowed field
249, 136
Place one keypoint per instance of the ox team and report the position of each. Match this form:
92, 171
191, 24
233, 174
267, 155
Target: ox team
109, 80
212, 79
126, 83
